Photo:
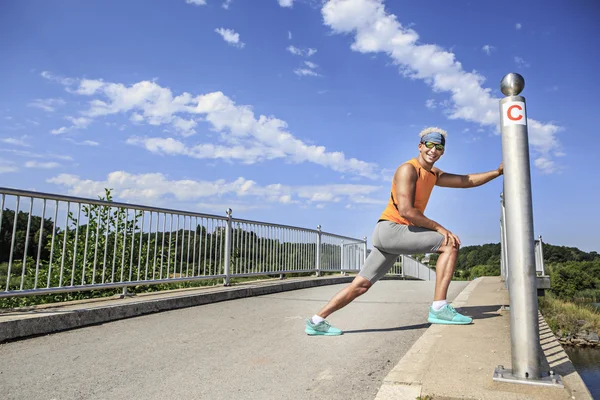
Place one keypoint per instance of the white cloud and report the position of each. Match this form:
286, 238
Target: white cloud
83, 143
196, 2
43, 165
243, 153
230, 36
185, 126
16, 141
521, 63
48, 105
305, 72
286, 3
301, 52
243, 135
226, 4
518, 26
488, 49
289, 35
77, 123
376, 30
7, 166
294, 50
56, 78
310, 64
89, 86
153, 187
545, 165
430, 103
25, 153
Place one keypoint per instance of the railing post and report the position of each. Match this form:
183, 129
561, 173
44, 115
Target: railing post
342, 258
318, 252
227, 247
524, 328
542, 256
364, 253
402, 264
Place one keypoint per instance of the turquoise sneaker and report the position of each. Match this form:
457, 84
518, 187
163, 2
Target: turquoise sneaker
448, 315
322, 328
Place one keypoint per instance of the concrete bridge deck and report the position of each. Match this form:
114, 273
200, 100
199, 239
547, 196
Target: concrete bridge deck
255, 348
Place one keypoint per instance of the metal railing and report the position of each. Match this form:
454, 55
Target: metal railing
52, 243
504, 262
415, 269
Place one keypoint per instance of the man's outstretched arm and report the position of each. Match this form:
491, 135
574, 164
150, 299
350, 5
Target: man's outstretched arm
467, 181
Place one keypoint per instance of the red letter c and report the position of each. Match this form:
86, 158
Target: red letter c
509, 113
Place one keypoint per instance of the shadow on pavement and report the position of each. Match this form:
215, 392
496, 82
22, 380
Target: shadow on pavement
399, 328
480, 312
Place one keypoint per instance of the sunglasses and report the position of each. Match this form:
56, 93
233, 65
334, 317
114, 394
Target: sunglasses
430, 145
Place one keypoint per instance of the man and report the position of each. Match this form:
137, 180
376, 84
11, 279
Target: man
404, 229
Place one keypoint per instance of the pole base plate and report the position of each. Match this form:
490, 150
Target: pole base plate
502, 374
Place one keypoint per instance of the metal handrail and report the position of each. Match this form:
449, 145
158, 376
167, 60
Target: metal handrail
79, 244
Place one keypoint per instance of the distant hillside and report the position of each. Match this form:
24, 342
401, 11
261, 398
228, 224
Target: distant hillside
489, 254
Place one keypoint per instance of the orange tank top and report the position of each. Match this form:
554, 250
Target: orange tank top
425, 183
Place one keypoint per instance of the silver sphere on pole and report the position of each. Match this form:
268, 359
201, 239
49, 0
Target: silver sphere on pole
512, 84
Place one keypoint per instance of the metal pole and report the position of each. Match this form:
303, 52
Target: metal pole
227, 247
524, 329
318, 251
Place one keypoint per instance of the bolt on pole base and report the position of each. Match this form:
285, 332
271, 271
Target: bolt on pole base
502, 374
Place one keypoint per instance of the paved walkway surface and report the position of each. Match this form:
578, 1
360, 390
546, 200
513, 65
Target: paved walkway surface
252, 348
458, 362
255, 347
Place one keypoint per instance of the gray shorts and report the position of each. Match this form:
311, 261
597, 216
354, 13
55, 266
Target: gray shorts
390, 240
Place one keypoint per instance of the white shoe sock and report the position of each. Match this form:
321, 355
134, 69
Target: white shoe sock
316, 319
437, 305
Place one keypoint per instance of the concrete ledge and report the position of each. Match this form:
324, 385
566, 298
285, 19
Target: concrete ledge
42, 320
457, 362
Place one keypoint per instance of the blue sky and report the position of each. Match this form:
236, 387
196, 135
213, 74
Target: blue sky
299, 111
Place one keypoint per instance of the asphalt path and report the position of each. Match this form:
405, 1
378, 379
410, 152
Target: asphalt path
253, 348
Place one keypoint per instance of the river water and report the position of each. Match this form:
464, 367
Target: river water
587, 363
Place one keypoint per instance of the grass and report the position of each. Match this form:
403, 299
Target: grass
565, 318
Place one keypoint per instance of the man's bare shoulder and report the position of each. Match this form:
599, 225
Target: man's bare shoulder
405, 171
437, 171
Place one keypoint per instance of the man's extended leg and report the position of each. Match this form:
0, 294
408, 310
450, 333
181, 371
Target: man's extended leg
376, 265
358, 287
441, 312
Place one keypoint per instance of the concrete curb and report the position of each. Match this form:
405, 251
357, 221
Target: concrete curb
404, 381
59, 319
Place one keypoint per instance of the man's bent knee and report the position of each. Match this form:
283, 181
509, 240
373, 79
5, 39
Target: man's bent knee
448, 249
361, 285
